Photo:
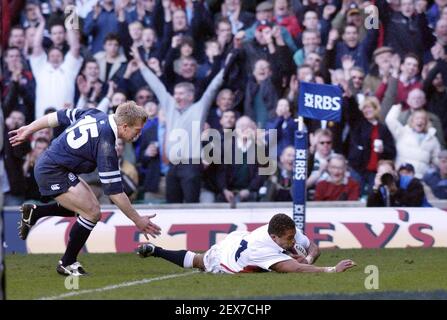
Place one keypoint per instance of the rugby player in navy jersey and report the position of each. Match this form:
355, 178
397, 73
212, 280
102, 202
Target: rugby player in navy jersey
87, 143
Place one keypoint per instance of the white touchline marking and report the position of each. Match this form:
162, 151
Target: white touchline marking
118, 286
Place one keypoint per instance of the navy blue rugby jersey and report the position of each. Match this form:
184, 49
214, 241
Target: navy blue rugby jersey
87, 143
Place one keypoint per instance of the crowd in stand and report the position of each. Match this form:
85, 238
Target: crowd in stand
236, 66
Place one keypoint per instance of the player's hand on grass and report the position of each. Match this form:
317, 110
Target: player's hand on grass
18, 136
344, 265
145, 225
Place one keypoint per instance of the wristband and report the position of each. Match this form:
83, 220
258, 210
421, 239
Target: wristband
329, 269
309, 259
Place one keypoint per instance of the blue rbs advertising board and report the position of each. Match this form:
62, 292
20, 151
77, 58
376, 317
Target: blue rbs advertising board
320, 101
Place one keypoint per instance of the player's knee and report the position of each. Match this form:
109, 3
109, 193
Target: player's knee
94, 211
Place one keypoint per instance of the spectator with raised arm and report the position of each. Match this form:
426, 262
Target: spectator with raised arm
101, 21
403, 78
417, 134
182, 113
264, 13
54, 74
406, 30
370, 142
350, 44
239, 19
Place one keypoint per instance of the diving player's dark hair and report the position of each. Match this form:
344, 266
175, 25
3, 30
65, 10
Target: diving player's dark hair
280, 223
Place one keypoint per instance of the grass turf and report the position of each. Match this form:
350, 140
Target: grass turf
416, 270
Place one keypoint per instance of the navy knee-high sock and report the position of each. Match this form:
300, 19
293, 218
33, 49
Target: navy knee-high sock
78, 236
177, 256
52, 209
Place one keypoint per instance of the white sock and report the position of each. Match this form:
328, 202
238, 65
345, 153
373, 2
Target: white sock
189, 259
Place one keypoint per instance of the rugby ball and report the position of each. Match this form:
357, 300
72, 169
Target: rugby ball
299, 250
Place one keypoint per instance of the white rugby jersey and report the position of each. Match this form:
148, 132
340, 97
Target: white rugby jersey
243, 251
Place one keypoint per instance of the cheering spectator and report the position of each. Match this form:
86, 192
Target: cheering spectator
406, 30
284, 124
336, 185
111, 62
101, 21
224, 102
239, 19
370, 141
416, 135
436, 177
380, 69
18, 86
183, 178
55, 74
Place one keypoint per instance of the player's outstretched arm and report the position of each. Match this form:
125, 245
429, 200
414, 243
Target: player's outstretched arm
18, 136
143, 223
292, 265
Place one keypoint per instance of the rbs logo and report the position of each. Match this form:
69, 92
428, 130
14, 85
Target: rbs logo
322, 102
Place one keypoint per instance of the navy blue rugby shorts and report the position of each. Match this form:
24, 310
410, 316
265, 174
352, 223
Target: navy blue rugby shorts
52, 179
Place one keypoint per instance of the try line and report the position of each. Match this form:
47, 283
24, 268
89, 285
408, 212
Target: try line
117, 286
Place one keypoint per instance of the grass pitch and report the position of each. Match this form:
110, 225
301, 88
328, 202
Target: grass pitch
419, 272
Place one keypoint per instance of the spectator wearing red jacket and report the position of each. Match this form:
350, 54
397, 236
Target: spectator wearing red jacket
336, 185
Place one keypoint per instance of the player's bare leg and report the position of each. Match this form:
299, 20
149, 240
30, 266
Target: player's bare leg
31, 212
82, 200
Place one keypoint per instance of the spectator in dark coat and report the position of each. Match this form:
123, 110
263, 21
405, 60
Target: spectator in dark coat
148, 152
14, 159
436, 177
370, 142
405, 30
239, 18
241, 181
18, 87
224, 102
392, 190
268, 44
360, 51
261, 94
101, 21
210, 187
284, 124
436, 92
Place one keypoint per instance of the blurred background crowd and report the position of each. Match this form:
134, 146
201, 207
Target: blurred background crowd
236, 65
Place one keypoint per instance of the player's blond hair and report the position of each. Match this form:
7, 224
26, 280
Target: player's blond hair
130, 113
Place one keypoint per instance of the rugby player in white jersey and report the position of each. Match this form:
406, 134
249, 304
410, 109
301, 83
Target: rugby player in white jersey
278, 246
